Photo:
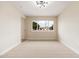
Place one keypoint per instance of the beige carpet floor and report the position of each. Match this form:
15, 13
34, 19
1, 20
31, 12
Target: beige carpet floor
40, 49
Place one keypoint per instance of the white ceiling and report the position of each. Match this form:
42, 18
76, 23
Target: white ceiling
54, 8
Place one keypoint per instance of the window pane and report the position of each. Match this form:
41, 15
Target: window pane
46, 25
34, 25
41, 25
51, 23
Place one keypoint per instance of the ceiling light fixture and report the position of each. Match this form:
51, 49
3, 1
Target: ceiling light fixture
41, 3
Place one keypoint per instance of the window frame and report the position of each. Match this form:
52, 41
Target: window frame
42, 30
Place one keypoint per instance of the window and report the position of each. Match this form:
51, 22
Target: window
43, 25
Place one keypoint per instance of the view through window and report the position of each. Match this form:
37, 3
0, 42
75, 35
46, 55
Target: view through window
42, 25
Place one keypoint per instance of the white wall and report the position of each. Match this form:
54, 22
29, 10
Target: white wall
35, 35
10, 27
68, 26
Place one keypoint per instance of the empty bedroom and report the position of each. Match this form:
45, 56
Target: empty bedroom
39, 29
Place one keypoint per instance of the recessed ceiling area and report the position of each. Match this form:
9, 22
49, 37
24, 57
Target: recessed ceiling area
54, 8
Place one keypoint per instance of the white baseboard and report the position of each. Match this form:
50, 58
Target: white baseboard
73, 49
5, 51
42, 39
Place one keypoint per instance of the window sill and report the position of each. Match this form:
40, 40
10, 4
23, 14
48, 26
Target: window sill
43, 31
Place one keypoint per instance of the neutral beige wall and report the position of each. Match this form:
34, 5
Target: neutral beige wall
23, 28
33, 35
10, 27
68, 26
